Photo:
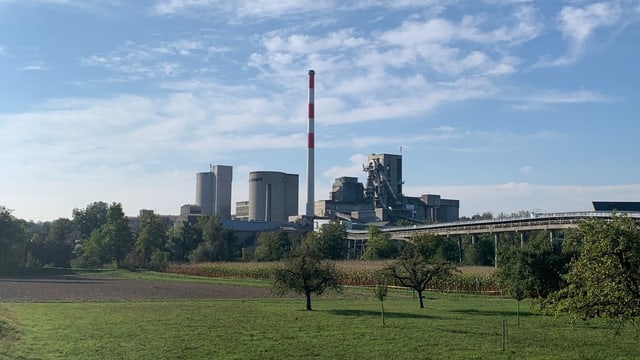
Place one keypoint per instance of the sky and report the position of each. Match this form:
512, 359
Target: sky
506, 105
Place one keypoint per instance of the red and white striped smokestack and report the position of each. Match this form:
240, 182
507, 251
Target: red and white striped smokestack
310, 146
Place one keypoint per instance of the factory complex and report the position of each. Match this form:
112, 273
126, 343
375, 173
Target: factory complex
274, 196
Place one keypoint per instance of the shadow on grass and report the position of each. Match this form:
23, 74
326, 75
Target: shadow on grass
523, 313
371, 313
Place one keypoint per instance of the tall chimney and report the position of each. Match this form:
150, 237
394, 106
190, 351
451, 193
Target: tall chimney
310, 146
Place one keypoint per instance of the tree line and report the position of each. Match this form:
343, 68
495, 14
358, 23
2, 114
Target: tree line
592, 272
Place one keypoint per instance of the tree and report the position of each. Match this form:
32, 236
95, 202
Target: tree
13, 242
305, 272
218, 244
381, 289
414, 271
183, 239
333, 240
272, 246
379, 245
117, 239
513, 276
152, 237
59, 243
92, 254
435, 248
93, 217
604, 281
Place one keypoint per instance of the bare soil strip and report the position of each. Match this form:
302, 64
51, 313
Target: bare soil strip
88, 289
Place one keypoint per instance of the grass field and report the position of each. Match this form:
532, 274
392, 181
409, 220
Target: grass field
346, 326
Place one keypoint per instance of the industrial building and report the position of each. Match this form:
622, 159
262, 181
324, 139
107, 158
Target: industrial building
213, 191
380, 199
273, 196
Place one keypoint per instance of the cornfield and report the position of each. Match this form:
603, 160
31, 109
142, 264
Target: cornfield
352, 273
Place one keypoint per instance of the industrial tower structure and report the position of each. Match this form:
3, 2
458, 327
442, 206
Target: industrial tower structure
213, 191
273, 196
310, 147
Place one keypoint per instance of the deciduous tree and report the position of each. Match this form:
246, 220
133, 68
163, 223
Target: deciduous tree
379, 245
13, 243
117, 239
152, 236
414, 271
604, 281
305, 272
333, 240
272, 246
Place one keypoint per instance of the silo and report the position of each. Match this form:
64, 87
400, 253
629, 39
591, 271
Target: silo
213, 191
273, 196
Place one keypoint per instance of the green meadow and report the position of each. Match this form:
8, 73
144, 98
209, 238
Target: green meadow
341, 326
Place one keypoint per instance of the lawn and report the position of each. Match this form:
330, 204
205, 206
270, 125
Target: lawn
347, 326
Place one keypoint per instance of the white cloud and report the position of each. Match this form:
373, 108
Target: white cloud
540, 98
577, 24
35, 66
353, 169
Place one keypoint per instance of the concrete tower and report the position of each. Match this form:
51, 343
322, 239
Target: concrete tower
310, 147
213, 191
393, 170
273, 196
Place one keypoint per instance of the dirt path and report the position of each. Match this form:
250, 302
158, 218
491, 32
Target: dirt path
89, 289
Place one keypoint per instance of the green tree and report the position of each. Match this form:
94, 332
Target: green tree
152, 237
305, 272
92, 254
182, 240
60, 243
13, 242
435, 248
414, 271
272, 246
604, 281
117, 239
333, 240
380, 290
93, 217
218, 243
379, 245
513, 276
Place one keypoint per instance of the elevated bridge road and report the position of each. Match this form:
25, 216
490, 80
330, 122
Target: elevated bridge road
549, 222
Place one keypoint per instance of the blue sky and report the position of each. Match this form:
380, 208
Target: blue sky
506, 105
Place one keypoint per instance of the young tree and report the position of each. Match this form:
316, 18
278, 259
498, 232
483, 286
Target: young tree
381, 289
604, 282
305, 272
414, 271
513, 276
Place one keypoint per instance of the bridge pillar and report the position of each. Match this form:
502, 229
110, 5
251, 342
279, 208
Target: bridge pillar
460, 248
551, 236
495, 250
473, 239
521, 239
